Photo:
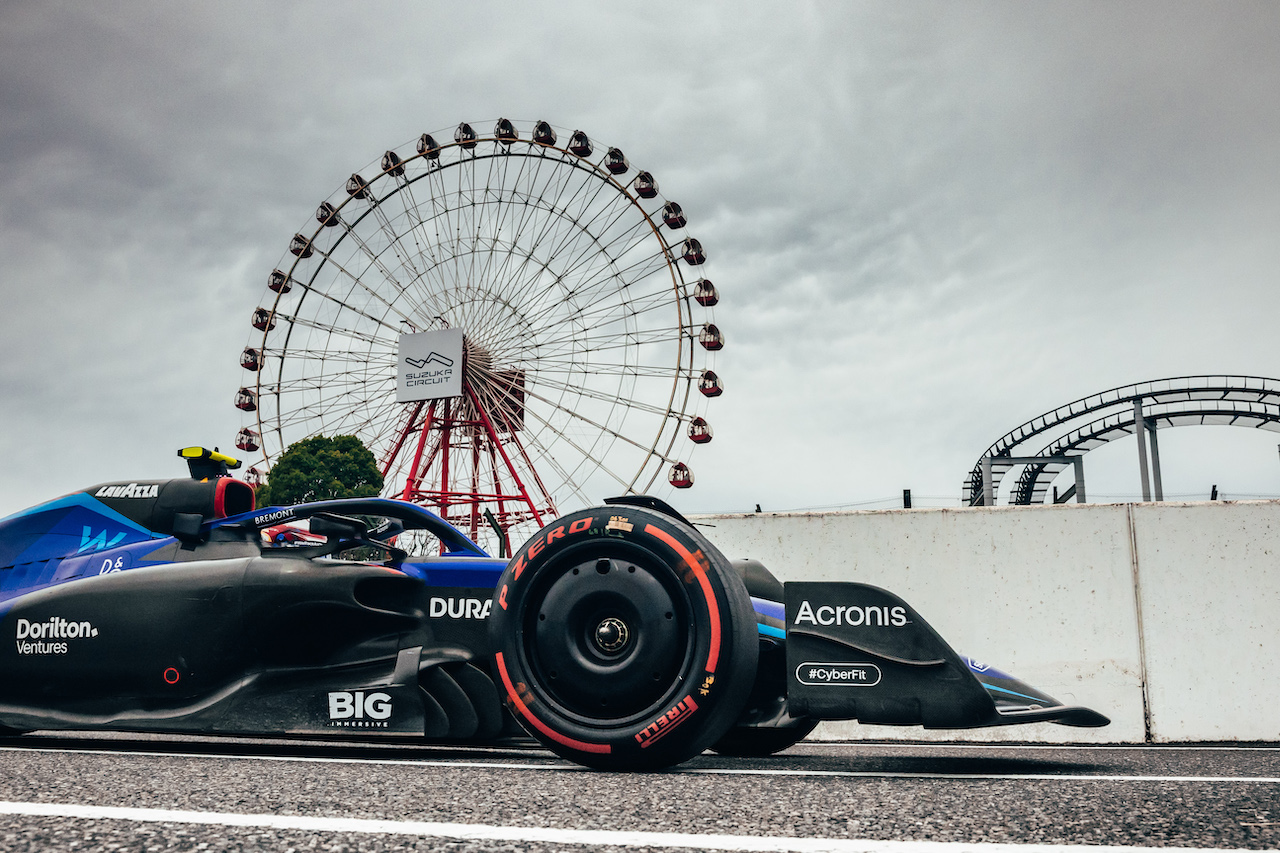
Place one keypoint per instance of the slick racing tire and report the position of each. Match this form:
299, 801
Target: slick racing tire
623, 639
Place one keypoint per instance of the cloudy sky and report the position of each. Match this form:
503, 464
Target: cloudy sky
929, 222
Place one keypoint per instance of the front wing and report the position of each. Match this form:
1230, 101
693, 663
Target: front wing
858, 652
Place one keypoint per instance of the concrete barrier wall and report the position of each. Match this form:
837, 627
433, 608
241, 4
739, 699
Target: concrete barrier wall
1161, 616
1210, 592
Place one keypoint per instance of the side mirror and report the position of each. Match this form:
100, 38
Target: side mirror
386, 529
338, 527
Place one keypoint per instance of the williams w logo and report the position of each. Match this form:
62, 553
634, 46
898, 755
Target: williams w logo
434, 358
90, 542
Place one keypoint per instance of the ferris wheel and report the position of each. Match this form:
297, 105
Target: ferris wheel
588, 338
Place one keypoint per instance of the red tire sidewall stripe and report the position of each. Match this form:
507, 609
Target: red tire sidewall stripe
713, 655
581, 746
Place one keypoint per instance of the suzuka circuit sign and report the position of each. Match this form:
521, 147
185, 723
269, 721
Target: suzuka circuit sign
429, 366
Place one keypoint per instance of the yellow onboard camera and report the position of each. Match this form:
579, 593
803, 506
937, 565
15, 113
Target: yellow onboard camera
206, 464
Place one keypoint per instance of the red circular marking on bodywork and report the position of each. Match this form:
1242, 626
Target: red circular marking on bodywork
171, 676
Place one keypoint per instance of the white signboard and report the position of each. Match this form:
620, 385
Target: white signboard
429, 366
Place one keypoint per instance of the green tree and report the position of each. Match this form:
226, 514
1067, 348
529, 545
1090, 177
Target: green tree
319, 469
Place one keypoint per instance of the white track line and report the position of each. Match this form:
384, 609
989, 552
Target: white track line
525, 835
985, 777
566, 767
1030, 747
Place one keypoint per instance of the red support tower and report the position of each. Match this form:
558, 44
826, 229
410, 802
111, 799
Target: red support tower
468, 453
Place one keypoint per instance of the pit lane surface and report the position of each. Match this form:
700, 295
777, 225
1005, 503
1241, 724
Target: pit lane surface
96, 793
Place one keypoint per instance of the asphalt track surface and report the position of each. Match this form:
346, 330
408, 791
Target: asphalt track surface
94, 792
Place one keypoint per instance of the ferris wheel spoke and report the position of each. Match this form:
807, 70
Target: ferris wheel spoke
556, 215
578, 416
568, 220
301, 353
376, 208
606, 340
420, 284
495, 390
413, 212
573, 344
472, 210
625, 301
340, 408
585, 283
601, 187
447, 214
466, 207
341, 331
629, 405
564, 269
518, 230
373, 360
349, 231
336, 423
538, 201
356, 281
629, 308
603, 318
423, 235
393, 239
332, 382
490, 227
560, 227
548, 198
605, 216
582, 453
328, 419
569, 368
637, 269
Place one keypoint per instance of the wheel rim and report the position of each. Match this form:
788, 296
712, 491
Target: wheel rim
607, 636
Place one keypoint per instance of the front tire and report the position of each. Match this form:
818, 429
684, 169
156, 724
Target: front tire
623, 639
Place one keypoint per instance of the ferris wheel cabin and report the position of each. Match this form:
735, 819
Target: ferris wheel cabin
505, 132
544, 134
579, 144
692, 252
279, 282
709, 384
681, 477
705, 293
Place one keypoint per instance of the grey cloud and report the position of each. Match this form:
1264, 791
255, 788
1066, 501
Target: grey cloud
928, 221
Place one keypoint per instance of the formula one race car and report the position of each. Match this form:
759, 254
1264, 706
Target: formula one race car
618, 636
